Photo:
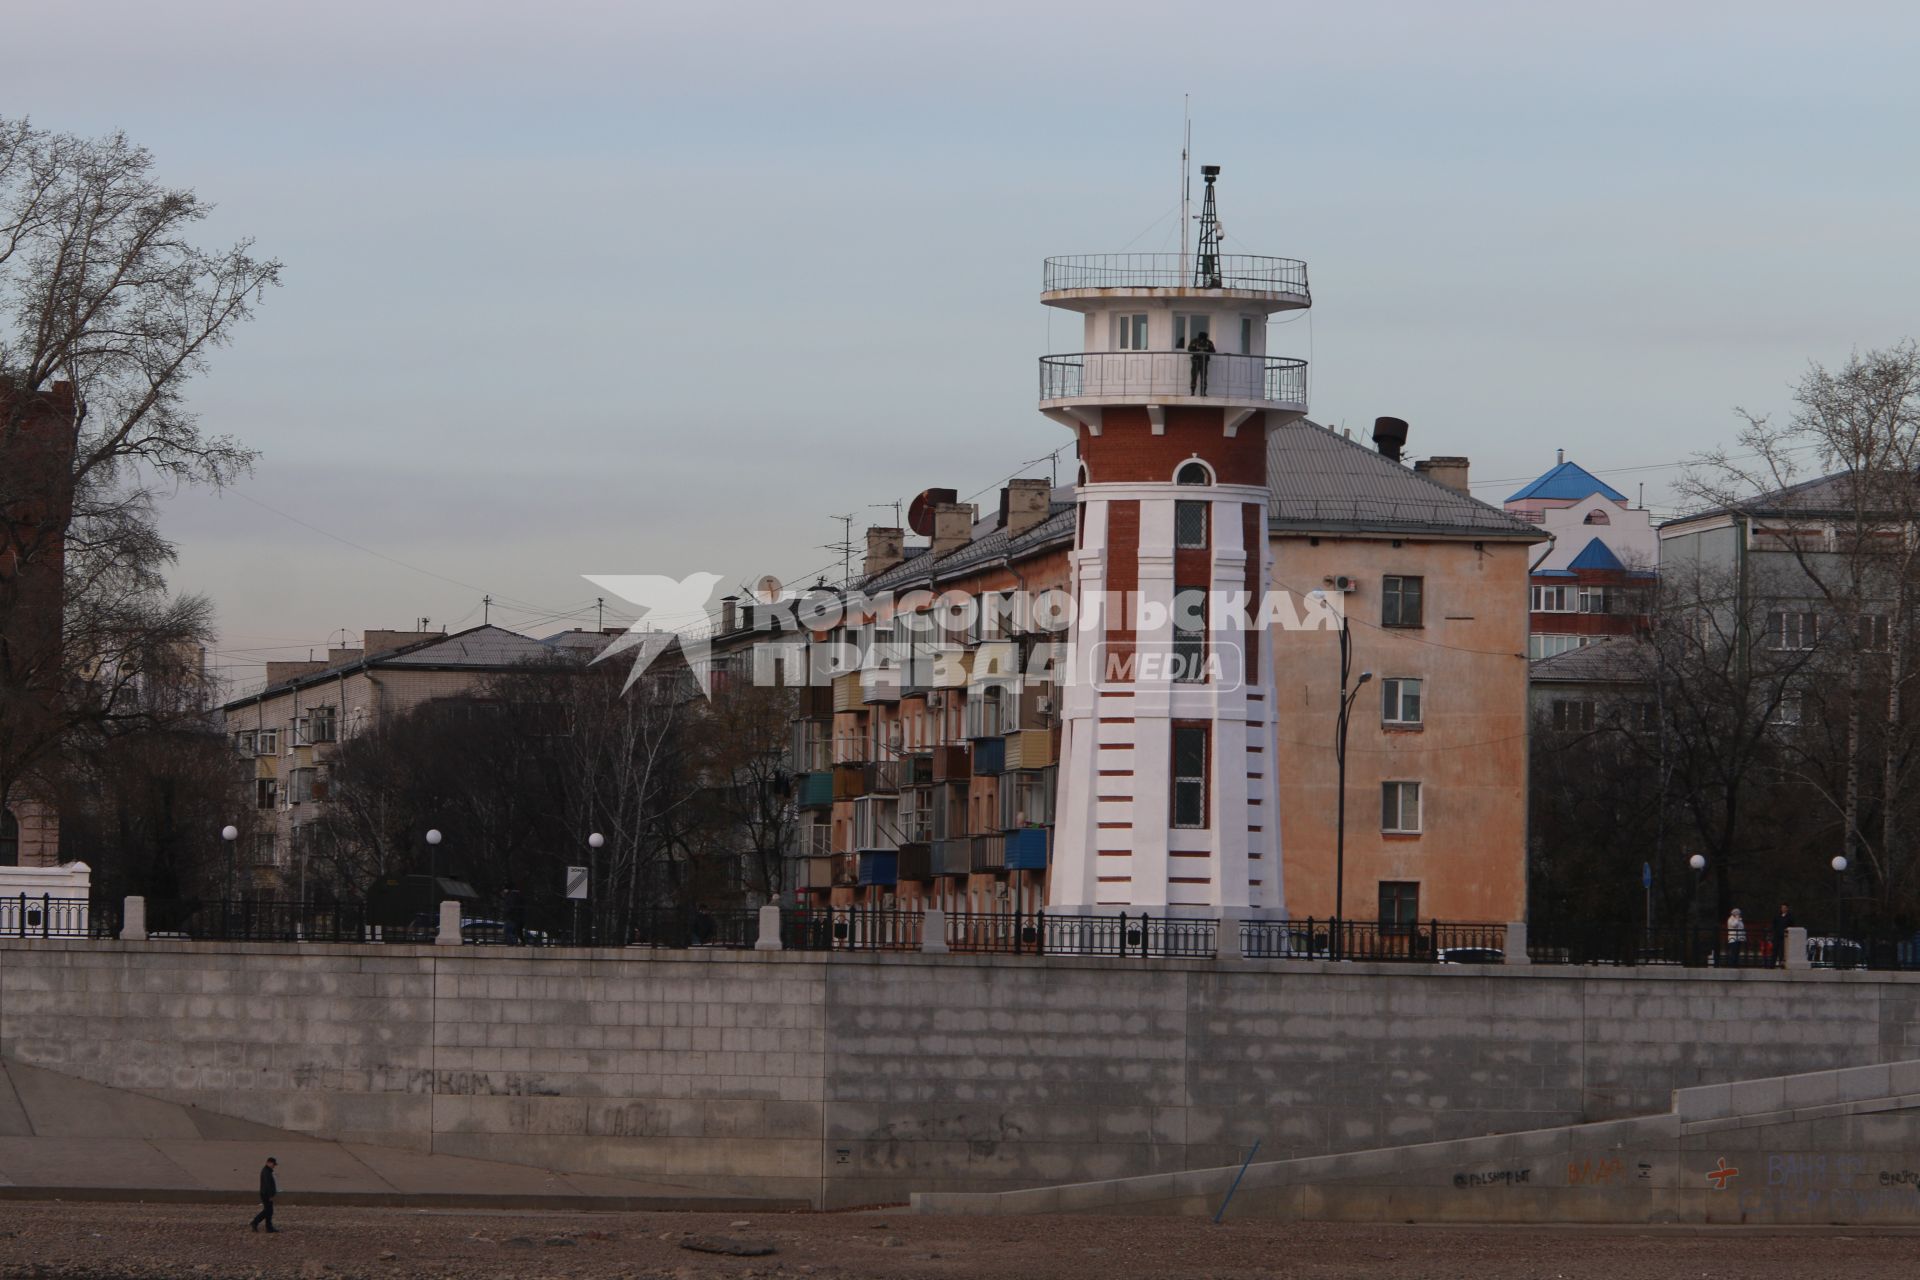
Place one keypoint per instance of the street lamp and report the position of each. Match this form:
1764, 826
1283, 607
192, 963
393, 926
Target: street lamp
1839, 865
433, 871
1347, 698
229, 833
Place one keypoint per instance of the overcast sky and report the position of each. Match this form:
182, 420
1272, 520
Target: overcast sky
594, 288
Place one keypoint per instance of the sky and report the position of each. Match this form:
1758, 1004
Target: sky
597, 288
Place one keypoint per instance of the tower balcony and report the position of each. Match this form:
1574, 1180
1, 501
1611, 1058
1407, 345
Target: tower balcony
1280, 284
1168, 377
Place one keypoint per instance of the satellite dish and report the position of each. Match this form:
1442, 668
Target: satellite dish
920, 510
767, 589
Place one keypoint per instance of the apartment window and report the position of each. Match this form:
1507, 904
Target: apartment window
1400, 601
323, 724
1574, 714
1190, 525
1786, 711
266, 742
1399, 906
1792, 630
243, 742
1190, 634
299, 785
1547, 644
1130, 332
1193, 473
1189, 775
266, 793
1870, 631
265, 849
1552, 600
1400, 700
1400, 807
1599, 600
1189, 326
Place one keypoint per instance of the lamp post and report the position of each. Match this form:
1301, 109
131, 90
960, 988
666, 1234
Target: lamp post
1839, 865
229, 834
1699, 864
1347, 697
433, 872
594, 842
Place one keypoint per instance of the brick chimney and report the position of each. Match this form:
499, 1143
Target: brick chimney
1451, 472
952, 527
885, 549
1024, 504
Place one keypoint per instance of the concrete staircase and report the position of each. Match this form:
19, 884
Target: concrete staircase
1839, 1146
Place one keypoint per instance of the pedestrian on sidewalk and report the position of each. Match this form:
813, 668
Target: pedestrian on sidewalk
1736, 937
268, 1190
1781, 923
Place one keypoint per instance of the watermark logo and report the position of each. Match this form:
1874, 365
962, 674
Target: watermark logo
665, 603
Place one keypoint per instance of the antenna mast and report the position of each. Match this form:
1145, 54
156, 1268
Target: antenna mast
1186, 179
1206, 271
844, 546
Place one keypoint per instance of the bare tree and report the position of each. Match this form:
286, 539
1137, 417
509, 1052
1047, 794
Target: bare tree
108, 309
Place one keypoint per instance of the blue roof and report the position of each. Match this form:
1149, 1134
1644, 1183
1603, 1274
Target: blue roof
1569, 482
1596, 555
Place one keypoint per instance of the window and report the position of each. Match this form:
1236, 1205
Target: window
1190, 525
1400, 701
1599, 600
1553, 600
1786, 711
304, 785
1399, 906
1189, 775
1130, 332
1188, 326
323, 725
266, 742
1547, 644
1598, 517
1400, 807
1870, 631
1573, 714
1246, 334
1193, 473
266, 793
265, 849
9, 839
1190, 634
1400, 601
1792, 630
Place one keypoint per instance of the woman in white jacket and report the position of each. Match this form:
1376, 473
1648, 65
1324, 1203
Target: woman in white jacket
1736, 936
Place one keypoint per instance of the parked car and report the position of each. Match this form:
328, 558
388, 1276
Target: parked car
473, 932
1836, 953
1471, 955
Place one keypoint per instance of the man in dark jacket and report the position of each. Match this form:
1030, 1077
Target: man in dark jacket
1781, 923
1202, 354
268, 1190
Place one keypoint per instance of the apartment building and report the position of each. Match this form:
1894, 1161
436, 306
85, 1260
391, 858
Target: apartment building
1593, 578
293, 726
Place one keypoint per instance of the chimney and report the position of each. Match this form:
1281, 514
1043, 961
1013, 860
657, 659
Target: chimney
1390, 437
278, 672
1451, 472
1024, 504
1559, 457
729, 614
952, 527
885, 549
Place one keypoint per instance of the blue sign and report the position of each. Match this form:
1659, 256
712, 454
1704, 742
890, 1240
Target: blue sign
1646, 875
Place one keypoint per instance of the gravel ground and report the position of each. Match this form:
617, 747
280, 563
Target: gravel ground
130, 1241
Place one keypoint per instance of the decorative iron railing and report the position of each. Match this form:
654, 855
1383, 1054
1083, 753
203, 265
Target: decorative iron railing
1247, 272
1132, 375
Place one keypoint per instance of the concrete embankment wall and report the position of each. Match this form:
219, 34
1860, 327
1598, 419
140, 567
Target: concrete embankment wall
854, 1079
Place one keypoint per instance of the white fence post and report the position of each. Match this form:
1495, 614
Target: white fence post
1797, 957
769, 939
1514, 950
133, 920
449, 935
933, 931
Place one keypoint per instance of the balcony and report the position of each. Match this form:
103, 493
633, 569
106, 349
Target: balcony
849, 783
883, 776
990, 853
989, 756
847, 692
816, 790
879, 869
1027, 849
951, 764
952, 857
1135, 377
1029, 749
916, 861
1281, 281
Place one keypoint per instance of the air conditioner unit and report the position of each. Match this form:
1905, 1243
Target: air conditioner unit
1045, 706
1342, 582
936, 700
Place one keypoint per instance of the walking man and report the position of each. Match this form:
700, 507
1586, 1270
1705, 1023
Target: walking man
268, 1190
1202, 350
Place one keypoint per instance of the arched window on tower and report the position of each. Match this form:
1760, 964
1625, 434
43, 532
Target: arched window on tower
9, 839
1194, 472
1598, 517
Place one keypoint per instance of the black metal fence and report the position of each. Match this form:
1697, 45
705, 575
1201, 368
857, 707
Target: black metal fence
1174, 271
27, 915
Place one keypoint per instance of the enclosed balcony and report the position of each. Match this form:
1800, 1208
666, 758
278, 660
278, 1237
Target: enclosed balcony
1027, 849
1136, 377
1278, 283
816, 790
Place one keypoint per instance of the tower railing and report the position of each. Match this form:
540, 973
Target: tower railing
1127, 375
1247, 272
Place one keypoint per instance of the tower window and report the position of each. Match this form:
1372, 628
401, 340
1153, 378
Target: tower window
1190, 775
1193, 473
1246, 335
1190, 634
1130, 333
1190, 525
1187, 327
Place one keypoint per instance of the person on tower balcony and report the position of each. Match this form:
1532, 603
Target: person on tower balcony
1202, 349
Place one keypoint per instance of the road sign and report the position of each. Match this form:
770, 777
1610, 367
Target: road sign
1646, 875
576, 882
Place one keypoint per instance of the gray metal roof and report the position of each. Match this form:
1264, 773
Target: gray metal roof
1615, 660
1323, 482
919, 568
1831, 495
483, 648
